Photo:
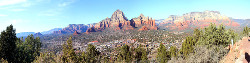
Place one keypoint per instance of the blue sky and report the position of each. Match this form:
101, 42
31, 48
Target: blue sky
43, 15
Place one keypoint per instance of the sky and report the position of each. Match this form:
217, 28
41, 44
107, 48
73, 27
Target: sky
43, 15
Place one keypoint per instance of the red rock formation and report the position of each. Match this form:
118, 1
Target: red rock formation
143, 28
196, 20
144, 21
92, 29
76, 33
118, 21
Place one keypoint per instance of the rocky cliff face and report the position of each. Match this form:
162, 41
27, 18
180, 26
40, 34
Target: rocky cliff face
143, 21
118, 21
92, 29
71, 28
196, 20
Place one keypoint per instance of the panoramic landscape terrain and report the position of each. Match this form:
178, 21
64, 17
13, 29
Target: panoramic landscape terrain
124, 31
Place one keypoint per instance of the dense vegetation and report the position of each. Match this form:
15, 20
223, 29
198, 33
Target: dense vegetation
206, 47
16, 50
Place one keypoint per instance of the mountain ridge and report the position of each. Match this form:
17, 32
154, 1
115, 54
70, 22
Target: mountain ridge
196, 20
118, 21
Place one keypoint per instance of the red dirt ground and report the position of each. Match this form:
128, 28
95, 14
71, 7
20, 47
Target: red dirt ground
239, 53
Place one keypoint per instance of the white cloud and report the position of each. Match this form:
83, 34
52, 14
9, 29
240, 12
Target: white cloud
16, 21
2, 15
47, 14
51, 12
17, 9
66, 3
26, 4
11, 2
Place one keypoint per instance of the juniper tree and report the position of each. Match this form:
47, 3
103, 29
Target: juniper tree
172, 51
141, 54
92, 54
8, 44
125, 54
31, 47
187, 46
246, 31
162, 54
68, 52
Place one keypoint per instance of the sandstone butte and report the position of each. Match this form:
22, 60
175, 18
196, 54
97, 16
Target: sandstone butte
118, 21
196, 20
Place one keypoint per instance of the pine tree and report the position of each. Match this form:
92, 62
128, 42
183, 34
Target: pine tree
92, 54
144, 57
8, 44
68, 52
141, 54
246, 31
125, 54
138, 53
83, 57
197, 34
20, 55
214, 36
187, 46
173, 51
162, 54
31, 48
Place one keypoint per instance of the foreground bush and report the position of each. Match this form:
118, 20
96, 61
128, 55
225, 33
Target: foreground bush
205, 47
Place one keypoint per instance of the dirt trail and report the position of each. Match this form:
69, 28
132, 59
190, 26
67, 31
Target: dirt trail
239, 53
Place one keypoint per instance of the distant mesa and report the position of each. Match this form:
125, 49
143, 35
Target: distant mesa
71, 28
50, 31
38, 34
24, 34
196, 20
118, 21
188, 21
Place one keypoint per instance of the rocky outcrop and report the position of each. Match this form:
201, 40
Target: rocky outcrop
71, 28
118, 16
143, 28
196, 20
239, 52
92, 29
144, 21
118, 21
76, 33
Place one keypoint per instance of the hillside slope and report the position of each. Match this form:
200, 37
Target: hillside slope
239, 53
